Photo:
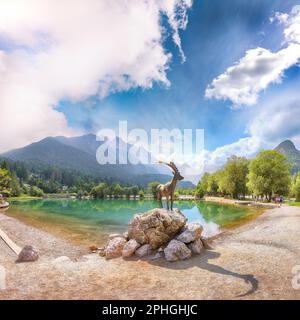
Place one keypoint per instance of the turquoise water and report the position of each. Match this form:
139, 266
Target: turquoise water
91, 221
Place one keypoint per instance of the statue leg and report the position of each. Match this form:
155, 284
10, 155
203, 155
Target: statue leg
159, 199
167, 200
172, 201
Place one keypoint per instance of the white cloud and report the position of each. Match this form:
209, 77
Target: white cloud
73, 49
242, 83
275, 121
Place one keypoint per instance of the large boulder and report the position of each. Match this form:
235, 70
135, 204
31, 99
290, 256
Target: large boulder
28, 254
130, 248
156, 227
196, 246
114, 247
177, 250
191, 232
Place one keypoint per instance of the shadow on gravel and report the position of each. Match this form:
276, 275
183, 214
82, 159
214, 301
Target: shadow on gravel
202, 263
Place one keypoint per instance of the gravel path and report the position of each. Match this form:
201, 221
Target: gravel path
254, 261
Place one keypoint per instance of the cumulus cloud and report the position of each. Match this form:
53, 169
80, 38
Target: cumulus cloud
242, 83
276, 120
74, 49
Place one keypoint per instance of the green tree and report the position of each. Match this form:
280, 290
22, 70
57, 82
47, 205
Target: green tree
4, 165
98, 191
14, 184
295, 189
141, 194
5, 180
152, 186
213, 183
202, 187
36, 191
117, 190
233, 178
135, 191
269, 174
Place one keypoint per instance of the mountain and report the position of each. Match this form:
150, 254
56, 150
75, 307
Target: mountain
78, 154
288, 148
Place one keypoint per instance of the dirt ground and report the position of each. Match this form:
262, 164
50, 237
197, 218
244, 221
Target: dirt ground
254, 261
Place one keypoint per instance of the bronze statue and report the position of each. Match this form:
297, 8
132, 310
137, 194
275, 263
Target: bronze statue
168, 189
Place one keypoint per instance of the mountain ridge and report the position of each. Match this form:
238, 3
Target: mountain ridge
287, 147
79, 154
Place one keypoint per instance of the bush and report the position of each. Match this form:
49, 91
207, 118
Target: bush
36, 191
141, 194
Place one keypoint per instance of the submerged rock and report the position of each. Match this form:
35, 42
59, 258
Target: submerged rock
129, 248
196, 246
27, 254
191, 232
114, 247
177, 250
156, 227
144, 251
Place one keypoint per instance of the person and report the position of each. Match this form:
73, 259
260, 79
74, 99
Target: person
280, 201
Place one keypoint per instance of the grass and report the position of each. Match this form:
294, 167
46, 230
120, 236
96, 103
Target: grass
294, 203
23, 197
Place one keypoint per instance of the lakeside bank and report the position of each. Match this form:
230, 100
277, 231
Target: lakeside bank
253, 261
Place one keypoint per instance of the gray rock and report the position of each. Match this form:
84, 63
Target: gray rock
130, 248
156, 227
27, 254
205, 243
177, 250
190, 233
144, 251
155, 256
196, 246
114, 247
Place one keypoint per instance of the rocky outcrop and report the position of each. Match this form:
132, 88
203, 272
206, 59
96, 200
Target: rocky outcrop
156, 227
156, 234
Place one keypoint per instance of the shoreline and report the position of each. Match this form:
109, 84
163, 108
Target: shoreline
252, 261
59, 229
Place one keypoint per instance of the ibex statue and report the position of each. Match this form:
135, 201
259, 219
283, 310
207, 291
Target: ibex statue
168, 189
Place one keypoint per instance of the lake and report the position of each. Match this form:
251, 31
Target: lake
91, 221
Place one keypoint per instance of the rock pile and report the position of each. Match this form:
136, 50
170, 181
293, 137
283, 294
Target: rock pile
156, 234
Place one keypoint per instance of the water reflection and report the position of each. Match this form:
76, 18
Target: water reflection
93, 219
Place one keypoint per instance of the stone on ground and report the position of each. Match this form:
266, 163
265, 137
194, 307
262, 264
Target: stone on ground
196, 246
129, 248
177, 250
144, 251
28, 254
114, 247
191, 232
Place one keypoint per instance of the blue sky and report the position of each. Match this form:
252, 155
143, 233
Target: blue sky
217, 35
231, 68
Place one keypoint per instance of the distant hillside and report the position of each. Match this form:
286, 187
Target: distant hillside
79, 155
288, 148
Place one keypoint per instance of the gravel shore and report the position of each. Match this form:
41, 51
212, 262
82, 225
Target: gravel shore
254, 261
